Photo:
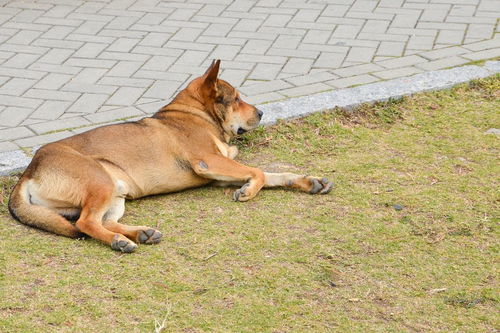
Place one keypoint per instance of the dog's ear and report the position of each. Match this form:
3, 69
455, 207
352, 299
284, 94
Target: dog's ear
211, 74
215, 62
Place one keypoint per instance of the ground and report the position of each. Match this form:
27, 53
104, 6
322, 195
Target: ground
406, 241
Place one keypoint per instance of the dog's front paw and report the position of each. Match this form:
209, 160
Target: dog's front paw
241, 194
320, 185
149, 236
122, 243
232, 152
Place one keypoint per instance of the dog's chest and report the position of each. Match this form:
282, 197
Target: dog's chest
222, 147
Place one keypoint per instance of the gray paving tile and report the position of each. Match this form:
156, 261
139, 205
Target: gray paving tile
329, 60
155, 39
157, 62
123, 56
125, 68
53, 81
17, 87
14, 133
89, 50
44, 94
50, 110
402, 61
122, 81
13, 116
261, 88
235, 76
442, 63
108, 116
89, 88
162, 89
56, 56
302, 80
264, 97
305, 90
356, 70
395, 49
360, 54
125, 96
93, 63
7, 146
37, 140
20, 101
297, 66
24, 37
88, 103
352, 81
122, 45
225, 52
265, 72
397, 72
55, 125
21, 60
485, 54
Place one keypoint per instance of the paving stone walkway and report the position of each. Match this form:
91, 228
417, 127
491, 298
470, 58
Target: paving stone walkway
67, 65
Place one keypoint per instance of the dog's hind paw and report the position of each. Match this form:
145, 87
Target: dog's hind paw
149, 236
121, 243
320, 186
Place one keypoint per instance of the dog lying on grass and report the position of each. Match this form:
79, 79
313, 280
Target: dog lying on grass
87, 177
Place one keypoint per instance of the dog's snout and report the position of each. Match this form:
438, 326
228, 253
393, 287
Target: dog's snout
260, 113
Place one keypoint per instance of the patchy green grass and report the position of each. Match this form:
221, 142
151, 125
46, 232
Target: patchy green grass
407, 240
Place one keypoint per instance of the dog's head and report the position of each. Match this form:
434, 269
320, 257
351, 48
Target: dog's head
224, 102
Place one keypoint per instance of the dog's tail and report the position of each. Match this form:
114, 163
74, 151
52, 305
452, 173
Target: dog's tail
21, 208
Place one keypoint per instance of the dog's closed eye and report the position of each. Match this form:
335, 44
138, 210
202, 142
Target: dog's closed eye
219, 100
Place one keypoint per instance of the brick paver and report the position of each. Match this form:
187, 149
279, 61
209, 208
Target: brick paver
69, 65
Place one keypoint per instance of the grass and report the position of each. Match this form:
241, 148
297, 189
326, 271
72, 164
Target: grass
288, 261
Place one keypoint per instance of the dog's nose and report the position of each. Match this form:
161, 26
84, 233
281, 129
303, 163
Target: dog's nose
260, 113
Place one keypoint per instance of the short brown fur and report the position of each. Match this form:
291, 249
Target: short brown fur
185, 144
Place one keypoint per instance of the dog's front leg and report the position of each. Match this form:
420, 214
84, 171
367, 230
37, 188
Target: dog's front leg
224, 169
232, 152
313, 185
310, 184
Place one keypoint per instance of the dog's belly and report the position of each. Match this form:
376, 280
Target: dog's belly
149, 178
166, 182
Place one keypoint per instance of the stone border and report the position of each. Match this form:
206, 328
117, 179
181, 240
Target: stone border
379, 91
348, 98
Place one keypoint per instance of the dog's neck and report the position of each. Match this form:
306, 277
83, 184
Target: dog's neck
195, 107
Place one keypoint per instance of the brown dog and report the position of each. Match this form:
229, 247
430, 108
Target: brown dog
87, 177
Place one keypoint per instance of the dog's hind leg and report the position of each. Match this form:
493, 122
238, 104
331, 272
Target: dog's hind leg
38, 216
139, 234
96, 204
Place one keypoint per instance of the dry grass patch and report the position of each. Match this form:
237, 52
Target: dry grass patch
407, 240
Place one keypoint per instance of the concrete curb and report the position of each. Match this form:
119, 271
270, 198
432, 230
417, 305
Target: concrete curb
379, 91
17, 160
